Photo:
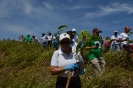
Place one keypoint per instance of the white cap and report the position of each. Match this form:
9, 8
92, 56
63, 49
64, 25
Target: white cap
73, 29
115, 31
64, 35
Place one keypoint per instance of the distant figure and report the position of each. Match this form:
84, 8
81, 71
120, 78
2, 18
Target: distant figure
73, 43
21, 38
28, 38
43, 40
124, 39
107, 44
34, 38
56, 36
115, 45
75, 36
49, 39
55, 41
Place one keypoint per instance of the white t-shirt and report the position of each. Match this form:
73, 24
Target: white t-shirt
49, 38
73, 44
116, 38
75, 38
44, 39
60, 59
124, 36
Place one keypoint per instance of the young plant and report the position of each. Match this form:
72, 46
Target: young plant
61, 28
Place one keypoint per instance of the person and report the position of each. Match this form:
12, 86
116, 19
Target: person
115, 45
28, 38
21, 38
73, 43
124, 39
95, 53
55, 43
63, 61
107, 44
43, 40
49, 39
34, 38
75, 39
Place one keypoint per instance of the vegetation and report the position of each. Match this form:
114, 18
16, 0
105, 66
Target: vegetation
25, 65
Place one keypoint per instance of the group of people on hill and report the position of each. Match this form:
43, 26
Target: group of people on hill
67, 63
66, 60
44, 40
119, 42
28, 38
48, 40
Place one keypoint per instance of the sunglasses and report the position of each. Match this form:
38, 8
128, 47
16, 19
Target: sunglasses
64, 42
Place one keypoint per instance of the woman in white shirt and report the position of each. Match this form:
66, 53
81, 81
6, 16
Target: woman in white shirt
63, 61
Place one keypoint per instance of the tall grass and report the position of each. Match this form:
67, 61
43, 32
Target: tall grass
25, 65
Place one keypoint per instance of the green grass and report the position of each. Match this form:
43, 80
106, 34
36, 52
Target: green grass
25, 65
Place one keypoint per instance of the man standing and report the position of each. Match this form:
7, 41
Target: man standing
115, 45
43, 40
124, 39
28, 38
49, 39
95, 54
75, 39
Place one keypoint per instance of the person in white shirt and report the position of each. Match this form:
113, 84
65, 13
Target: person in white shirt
115, 45
63, 62
34, 38
21, 38
124, 39
55, 42
49, 39
73, 42
43, 40
75, 39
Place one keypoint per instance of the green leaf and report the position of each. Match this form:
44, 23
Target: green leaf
84, 36
62, 27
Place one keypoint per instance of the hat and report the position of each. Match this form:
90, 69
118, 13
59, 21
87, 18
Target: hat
128, 28
73, 29
96, 30
115, 31
64, 35
43, 33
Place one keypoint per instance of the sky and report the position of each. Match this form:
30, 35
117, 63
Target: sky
34, 17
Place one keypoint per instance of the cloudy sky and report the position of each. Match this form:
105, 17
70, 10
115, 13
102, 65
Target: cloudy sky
34, 17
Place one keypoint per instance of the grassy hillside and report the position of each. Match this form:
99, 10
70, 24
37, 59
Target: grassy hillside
25, 65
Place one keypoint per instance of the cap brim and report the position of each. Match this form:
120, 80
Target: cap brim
100, 31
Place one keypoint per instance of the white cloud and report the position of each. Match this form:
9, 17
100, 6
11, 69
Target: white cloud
27, 7
76, 7
4, 10
114, 8
19, 29
48, 6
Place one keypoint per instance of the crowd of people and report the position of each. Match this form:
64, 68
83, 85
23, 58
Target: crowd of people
49, 40
66, 60
118, 42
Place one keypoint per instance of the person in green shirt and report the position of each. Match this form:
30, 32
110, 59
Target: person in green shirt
95, 52
28, 38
